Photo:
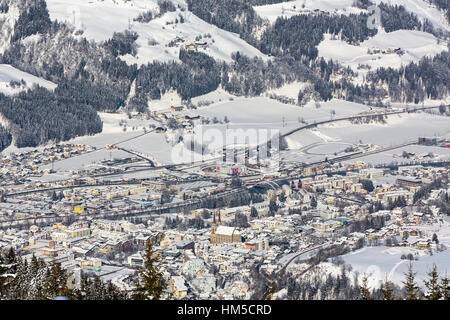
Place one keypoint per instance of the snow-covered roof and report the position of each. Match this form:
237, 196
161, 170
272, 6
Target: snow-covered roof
228, 231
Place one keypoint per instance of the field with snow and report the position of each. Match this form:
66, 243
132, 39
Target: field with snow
9, 73
265, 113
332, 139
100, 19
250, 115
398, 129
291, 8
416, 45
269, 113
395, 156
422, 9
381, 262
378, 262
243, 114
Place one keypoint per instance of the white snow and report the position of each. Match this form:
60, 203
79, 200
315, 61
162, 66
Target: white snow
287, 9
416, 45
377, 263
100, 19
289, 90
269, 113
388, 156
399, 129
292, 8
9, 73
422, 9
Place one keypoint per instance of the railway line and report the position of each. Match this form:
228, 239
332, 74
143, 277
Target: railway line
163, 208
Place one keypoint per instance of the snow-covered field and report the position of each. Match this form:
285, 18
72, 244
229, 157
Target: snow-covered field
398, 129
100, 19
289, 90
270, 113
378, 262
327, 140
422, 9
291, 8
9, 73
381, 262
253, 114
388, 156
416, 45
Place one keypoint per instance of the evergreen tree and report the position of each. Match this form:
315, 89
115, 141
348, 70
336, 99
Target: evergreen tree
56, 282
432, 285
253, 212
151, 284
5, 277
365, 291
273, 207
387, 290
113, 293
95, 289
412, 290
282, 197
313, 202
445, 288
10, 257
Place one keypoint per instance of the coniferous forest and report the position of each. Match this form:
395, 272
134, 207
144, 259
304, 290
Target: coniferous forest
91, 76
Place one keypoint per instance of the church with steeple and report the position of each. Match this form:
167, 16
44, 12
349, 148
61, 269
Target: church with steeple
223, 234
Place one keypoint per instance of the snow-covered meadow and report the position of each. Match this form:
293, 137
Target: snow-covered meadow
421, 8
9, 73
100, 19
415, 44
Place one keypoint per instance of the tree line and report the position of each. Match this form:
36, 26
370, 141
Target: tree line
21, 279
5, 138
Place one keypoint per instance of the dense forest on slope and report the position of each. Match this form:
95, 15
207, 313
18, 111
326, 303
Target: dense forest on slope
31, 124
430, 78
232, 15
90, 78
442, 5
299, 35
199, 74
5, 138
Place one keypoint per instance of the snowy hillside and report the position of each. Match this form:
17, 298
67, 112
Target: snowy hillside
100, 19
23, 80
422, 9
377, 51
291, 8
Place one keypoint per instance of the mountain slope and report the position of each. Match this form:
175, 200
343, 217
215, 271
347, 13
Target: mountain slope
100, 19
90, 56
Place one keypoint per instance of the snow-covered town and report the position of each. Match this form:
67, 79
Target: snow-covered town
212, 233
